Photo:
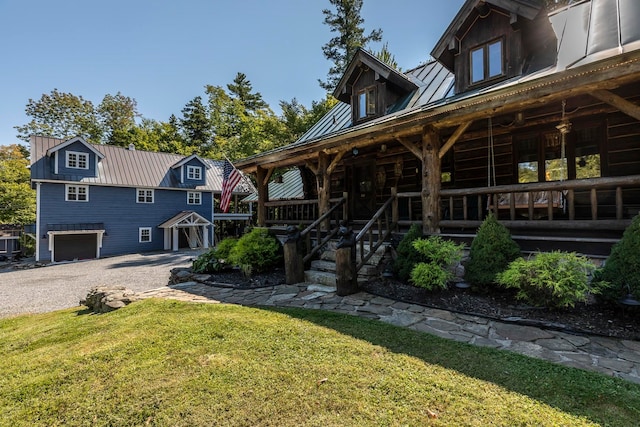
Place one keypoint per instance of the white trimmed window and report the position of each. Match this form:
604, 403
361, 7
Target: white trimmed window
144, 195
76, 160
144, 235
194, 198
194, 172
76, 193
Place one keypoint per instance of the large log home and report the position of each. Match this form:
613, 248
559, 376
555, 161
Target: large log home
529, 114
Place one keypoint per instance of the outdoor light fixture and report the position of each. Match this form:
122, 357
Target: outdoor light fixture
355, 151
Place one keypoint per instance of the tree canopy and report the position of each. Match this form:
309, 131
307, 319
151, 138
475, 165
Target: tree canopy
17, 199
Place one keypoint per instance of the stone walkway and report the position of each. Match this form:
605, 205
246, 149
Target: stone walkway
610, 356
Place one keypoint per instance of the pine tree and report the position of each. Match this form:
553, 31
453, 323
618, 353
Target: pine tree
347, 22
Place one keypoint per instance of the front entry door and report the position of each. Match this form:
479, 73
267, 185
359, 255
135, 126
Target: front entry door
362, 191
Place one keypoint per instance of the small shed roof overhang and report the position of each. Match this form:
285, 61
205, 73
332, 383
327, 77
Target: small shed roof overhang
185, 219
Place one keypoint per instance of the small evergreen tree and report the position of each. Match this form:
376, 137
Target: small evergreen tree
622, 268
491, 252
407, 255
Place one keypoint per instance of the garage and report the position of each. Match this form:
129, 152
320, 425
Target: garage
69, 247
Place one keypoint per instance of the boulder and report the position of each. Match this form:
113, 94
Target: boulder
103, 299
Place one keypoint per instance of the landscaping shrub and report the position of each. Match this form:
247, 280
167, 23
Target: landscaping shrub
552, 279
224, 248
215, 259
622, 268
256, 252
491, 252
407, 256
440, 256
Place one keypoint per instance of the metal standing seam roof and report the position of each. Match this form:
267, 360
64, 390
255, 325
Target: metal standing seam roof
291, 188
433, 81
122, 167
586, 31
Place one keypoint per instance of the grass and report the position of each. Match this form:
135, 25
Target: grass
168, 363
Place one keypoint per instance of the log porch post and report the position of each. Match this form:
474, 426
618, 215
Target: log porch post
323, 179
431, 177
263, 195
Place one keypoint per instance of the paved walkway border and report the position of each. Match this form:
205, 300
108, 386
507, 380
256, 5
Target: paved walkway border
610, 356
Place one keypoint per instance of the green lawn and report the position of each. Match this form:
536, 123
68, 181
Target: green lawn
168, 363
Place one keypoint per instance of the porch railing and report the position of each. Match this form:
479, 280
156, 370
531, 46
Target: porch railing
288, 211
594, 203
375, 232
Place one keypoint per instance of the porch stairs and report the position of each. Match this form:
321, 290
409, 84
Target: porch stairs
323, 270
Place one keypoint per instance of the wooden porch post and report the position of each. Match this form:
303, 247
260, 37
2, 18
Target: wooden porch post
323, 179
431, 177
263, 195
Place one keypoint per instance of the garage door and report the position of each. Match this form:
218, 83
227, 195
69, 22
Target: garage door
68, 247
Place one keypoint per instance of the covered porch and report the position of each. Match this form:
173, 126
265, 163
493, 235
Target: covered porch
556, 158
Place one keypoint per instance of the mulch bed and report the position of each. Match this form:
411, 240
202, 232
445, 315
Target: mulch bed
591, 318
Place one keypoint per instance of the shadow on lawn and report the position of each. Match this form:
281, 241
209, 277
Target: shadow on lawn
541, 380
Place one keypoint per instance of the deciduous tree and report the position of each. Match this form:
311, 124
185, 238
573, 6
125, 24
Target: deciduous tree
61, 115
17, 199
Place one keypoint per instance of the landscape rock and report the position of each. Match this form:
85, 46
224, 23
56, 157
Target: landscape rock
103, 299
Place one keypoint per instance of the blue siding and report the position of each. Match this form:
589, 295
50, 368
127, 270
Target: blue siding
116, 207
78, 147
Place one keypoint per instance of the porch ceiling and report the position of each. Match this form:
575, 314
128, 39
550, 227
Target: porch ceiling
518, 95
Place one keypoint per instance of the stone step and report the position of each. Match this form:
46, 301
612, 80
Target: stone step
323, 265
320, 277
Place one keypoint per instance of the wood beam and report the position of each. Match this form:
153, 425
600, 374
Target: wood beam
431, 181
335, 162
415, 150
453, 138
313, 168
267, 177
263, 196
619, 102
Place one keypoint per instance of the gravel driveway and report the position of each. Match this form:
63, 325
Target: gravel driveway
59, 286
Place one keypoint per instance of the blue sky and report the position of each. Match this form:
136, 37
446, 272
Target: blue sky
163, 52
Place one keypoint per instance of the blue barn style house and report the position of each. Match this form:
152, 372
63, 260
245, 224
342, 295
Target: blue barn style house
102, 200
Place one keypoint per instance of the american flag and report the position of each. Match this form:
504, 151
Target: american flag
230, 178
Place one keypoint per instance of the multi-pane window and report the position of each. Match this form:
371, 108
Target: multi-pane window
194, 172
487, 61
77, 193
144, 234
194, 198
367, 103
77, 160
144, 195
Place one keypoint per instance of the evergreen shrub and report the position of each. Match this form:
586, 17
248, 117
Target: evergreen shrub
491, 252
622, 268
215, 259
440, 256
550, 279
406, 255
257, 251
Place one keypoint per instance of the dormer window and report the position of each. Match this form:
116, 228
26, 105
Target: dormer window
76, 160
194, 173
367, 102
487, 61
